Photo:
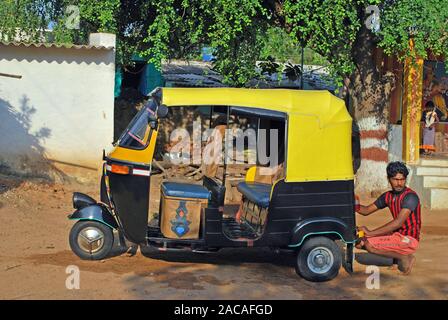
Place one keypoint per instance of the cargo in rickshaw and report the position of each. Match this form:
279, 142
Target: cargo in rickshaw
305, 209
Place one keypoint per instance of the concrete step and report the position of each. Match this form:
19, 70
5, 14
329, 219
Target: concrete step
416, 184
430, 197
439, 198
432, 171
435, 182
434, 162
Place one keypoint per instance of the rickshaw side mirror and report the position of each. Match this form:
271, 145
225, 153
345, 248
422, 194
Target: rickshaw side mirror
162, 111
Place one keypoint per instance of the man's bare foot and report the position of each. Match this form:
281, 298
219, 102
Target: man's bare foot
131, 251
393, 267
411, 265
406, 264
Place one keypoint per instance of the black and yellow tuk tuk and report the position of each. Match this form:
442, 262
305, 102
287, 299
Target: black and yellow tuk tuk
306, 210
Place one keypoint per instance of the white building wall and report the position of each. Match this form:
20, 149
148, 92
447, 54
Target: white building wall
61, 109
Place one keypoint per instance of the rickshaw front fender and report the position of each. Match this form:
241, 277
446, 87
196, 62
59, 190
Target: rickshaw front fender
96, 212
332, 227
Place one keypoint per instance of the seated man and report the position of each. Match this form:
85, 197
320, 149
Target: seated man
399, 237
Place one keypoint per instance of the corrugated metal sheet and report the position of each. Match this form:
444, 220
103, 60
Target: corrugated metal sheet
190, 74
54, 45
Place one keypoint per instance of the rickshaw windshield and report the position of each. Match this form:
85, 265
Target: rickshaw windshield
138, 132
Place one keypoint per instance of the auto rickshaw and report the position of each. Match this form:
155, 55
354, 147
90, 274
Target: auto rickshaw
307, 211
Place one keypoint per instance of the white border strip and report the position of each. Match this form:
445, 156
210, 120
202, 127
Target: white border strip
139, 172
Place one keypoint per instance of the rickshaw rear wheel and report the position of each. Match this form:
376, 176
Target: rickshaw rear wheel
91, 240
319, 259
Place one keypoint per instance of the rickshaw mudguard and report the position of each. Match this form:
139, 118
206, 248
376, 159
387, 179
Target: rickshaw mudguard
95, 212
325, 226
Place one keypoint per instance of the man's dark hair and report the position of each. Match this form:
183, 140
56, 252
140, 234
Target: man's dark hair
429, 104
396, 167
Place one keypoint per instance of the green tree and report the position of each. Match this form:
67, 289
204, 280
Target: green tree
335, 29
244, 31
128, 19
338, 30
279, 44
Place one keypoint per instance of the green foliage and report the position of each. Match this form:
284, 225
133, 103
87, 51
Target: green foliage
426, 21
292, 72
328, 27
237, 61
226, 26
277, 43
24, 16
269, 65
95, 16
240, 31
33, 17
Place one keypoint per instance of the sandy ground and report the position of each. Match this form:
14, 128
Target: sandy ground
35, 254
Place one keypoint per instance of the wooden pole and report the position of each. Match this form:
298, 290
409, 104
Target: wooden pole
10, 75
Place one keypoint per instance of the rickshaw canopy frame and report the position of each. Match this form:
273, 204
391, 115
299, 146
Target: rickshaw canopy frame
318, 125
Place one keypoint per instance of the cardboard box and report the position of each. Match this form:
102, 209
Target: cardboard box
181, 217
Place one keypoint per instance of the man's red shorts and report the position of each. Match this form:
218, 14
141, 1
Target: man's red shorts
395, 242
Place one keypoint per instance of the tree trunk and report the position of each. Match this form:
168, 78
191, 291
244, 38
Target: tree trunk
370, 92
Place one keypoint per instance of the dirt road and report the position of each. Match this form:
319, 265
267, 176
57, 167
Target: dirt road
34, 256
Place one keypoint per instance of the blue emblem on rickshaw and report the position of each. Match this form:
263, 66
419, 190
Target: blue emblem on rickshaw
180, 224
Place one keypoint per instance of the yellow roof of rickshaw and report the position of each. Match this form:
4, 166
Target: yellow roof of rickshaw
319, 125
318, 103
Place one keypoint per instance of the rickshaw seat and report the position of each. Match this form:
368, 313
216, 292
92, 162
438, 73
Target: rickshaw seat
185, 190
258, 193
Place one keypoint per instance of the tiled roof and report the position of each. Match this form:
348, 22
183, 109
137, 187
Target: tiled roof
54, 45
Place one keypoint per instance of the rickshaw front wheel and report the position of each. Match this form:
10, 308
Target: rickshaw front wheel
91, 240
319, 259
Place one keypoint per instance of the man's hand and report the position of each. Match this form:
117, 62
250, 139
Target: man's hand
391, 226
365, 230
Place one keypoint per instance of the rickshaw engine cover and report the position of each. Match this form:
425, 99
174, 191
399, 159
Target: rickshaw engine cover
182, 206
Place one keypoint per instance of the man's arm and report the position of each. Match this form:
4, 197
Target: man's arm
367, 210
379, 203
390, 226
